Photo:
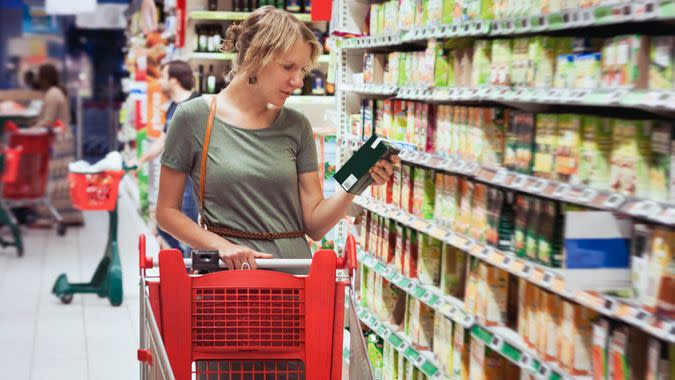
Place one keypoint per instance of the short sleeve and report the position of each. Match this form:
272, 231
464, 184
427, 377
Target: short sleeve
178, 146
307, 158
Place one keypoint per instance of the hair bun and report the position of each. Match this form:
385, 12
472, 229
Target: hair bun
231, 37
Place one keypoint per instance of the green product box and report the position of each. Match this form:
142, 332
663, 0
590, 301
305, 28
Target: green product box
354, 176
494, 126
403, 68
452, 184
429, 197
596, 150
660, 161
143, 144
542, 53
390, 17
421, 13
631, 143
506, 217
480, 74
545, 146
500, 70
400, 126
435, 9
662, 63
428, 260
549, 245
381, 19
520, 139
564, 71
522, 213
441, 67
520, 61
406, 14
375, 350
532, 234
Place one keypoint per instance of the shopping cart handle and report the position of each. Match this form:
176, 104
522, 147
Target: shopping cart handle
349, 259
267, 263
144, 356
144, 262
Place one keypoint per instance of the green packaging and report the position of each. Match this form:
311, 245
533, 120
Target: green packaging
545, 146
429, 197
354, 175
390, 17
522, 213
441, 67
375, 351
143, 144
567, 148
532, 234
480, 73
660, 161
406, 14
595, 154
501, 62
403, 69
629, 173
520, 61
662, 63
494, 125
429, 260
401, 109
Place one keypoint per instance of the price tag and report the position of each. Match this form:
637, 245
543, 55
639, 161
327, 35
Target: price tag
543, 372
588, 195
527, 270
520, 181
561, 190
609, 305
500, 177
485, 252
468, 244
614, 201
426, 297
467, 321
459, 166
426, 158
496, 343
547, 280
506, 261
614, 97
668, 216
539, 186
386, 333
472, 167
525, 360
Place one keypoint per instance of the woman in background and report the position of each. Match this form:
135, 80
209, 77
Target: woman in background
55, 102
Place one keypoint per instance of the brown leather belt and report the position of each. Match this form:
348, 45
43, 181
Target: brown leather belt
232, 233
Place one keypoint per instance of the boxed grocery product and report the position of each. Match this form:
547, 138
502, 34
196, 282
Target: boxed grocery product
422, 14
472, 284
419, 180
597, 254
534, 219
665, 302
474, 135
478, 225
626, 62
595, 154
659, 161
442, 135
524, 296
375, 347
390, 241
496, 295
658, 363
391, 17
617, 354
373, 20
461, 354
391, 72
552, 321
532, 310
485, 364
588, 70
522, 212
500, 62
355, 125
384, 118
465, 192
629, 173
601, 331
421, 324
428, 260
494, 125
403, 68
480, 73
520, 61
567, 148
368, 115
660, 258
389, 299
452, 185
464, 56
662, 63
550, 234
399, 247
542, 54
545, 146
373, 68
400, 121
440, 206
453, 271
406, 14
480, 292
410, 258
407, 183
565, 71
576, 335
460, 118
506, 225
639, 260
524, 126
429, 194
541, 321
354, 175
443, 329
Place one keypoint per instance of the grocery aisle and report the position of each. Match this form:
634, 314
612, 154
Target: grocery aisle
42, 338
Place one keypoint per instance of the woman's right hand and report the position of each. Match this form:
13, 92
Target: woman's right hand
234, 256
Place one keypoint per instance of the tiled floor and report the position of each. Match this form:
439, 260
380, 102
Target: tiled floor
41, 338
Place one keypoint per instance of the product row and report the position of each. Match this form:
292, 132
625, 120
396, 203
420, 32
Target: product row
208, 38
210, 83
293, 6
623, 62
635, 260
394, 16
628, 156
577, 339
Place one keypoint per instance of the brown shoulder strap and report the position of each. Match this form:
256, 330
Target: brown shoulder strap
205, 151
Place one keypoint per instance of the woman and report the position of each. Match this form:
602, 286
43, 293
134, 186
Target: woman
261, 192
55, 103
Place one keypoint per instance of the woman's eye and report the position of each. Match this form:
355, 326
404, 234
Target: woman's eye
288, 67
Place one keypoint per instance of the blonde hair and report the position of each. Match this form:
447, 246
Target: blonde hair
267, 33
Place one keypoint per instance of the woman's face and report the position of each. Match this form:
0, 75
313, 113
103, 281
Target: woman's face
285, 73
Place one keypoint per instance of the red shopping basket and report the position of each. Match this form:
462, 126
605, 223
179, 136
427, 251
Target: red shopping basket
95, 191
250, 324
33, 146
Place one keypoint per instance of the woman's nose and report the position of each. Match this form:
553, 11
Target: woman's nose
297, 79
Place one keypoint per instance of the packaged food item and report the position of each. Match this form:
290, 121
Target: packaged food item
522, 212
552, 323
410, 259
407, 183
520, 61
497, 289
429, 260
576, 338
443, 345
453, 271
550, 234
626, 62
524, 301
520, 142
545, 143
465, 191
661, 256
630, 151
588, 70
601, 331
595, 154
406, 14
660, 161
662, 63
500, 62
485, 364
658, 363
479, 222
472, 284
419, 181
567, 148
532, 235
375, 348
481, 68
461, 354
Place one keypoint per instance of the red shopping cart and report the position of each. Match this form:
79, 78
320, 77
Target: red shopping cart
31, 148
245, 324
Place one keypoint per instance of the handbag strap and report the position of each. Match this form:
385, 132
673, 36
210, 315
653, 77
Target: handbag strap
205, 152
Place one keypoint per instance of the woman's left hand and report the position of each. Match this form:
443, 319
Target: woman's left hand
383, 170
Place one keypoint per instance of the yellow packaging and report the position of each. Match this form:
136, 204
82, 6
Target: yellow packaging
425, 337
443, 328
429, 260
532, 314
577, 338
663, 241
472, 284
523, 306
481, 292
461, 354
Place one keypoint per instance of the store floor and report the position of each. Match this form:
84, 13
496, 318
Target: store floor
41, 338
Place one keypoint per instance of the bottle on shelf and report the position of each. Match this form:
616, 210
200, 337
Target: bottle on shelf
211, 81
202, 81
195, 38
294, 6
217, 37
317, 82
210, 47
203, 39
307, 6
213, 5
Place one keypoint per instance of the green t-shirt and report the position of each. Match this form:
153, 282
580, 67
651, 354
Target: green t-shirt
251, 175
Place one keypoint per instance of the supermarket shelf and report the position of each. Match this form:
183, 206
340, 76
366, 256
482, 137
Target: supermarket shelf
310, 99
371, 89
503, 340
423, 360
451, 307
547, 278
324, 58
235, 16
623, 12
650, 210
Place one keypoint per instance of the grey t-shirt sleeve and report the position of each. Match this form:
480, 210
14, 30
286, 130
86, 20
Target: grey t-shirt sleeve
307, 156
178, 146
